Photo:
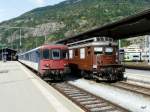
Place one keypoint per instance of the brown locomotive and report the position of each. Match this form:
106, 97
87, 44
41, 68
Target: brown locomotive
96, 57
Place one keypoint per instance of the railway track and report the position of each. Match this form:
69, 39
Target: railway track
86, 100
133, 88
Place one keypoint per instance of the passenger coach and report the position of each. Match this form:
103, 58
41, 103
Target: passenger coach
96, 58
48, 60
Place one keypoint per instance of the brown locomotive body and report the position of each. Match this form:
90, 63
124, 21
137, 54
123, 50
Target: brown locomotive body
96, 58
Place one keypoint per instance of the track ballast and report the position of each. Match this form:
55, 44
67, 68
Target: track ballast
86, 100
133, 88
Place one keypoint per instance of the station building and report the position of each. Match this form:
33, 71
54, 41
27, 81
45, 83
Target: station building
132, 53
8, 54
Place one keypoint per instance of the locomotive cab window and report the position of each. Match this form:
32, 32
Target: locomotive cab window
82, 53
70, 54
109, 50
56, 54
98, 50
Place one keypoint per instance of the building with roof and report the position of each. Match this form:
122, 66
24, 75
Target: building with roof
8, 54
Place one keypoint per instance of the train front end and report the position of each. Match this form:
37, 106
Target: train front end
106, 63
54, 62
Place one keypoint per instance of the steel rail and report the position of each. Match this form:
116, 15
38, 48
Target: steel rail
85, 100
133, 88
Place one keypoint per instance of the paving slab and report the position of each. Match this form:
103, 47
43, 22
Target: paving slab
138, 75
22, 91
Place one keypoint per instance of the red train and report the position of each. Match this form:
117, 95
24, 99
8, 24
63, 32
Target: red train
48, 60
96, 57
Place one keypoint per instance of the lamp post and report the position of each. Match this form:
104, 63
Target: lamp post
20, 37
20, 32
2, 52
149, 49
45, 39
3, 46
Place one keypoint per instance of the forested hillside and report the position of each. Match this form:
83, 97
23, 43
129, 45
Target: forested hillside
65, 19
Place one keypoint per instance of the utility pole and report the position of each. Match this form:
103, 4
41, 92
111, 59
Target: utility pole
149, 49
2, 53
11, 41
36, 41
119, 43
45, 39
20, 38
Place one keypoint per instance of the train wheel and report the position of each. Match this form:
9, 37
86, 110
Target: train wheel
120, 76
111, 77
63, 78
82, 73
86, 75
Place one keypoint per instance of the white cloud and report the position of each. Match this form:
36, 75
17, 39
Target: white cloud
38, 2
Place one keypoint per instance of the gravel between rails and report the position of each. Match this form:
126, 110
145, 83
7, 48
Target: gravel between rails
133, 88
86, 100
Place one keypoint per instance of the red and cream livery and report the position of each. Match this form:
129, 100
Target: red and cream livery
48, 60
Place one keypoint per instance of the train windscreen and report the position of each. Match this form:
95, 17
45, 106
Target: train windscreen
98, 50
55, 54
108, 50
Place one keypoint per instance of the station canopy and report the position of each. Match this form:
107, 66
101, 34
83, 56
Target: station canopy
135, 25
9, 53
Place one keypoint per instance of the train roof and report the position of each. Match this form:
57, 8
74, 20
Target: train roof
53, 45
45, 46
135, 25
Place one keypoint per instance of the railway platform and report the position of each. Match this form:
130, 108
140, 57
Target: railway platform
23, 91
142, 76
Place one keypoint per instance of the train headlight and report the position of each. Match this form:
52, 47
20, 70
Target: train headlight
47, 65
94, 66
53, 71
61, 72
117, 61
66, 65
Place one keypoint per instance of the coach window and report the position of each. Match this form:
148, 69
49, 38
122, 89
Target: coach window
82, 53
27, 56
37, 55
46, 54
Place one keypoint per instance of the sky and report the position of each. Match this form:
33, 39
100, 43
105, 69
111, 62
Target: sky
13, 8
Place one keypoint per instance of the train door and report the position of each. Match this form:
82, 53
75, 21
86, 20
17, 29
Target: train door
89, 57
98, 51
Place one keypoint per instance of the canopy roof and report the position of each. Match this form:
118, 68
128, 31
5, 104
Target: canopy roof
8, 49
135, 25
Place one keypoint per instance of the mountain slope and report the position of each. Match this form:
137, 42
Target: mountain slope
65, 19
